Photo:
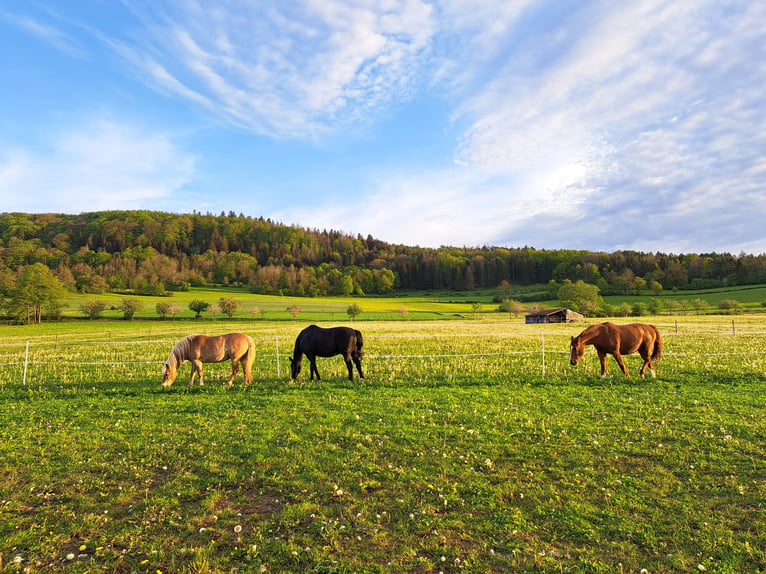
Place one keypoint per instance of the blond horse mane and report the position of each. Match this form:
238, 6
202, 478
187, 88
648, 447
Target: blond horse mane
178, 355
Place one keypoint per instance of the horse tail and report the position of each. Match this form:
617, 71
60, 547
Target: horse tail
248, 359
359, 342
657, 353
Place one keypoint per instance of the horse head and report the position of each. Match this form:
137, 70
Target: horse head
169, 373
576, 350
295, 367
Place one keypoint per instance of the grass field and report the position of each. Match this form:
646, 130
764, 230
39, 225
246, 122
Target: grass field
426, 305
471, 446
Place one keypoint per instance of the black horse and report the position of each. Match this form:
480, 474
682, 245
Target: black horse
316, 342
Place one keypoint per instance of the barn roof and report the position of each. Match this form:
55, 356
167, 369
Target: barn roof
546, 312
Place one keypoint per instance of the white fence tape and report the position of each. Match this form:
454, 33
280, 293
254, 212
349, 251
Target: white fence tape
60, 344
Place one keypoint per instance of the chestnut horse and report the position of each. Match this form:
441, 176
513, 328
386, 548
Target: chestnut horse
316, 342
619, 340
203, 349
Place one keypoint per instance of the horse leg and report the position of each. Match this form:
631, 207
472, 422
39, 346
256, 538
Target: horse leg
646, 355
196, 368
646, 365
358, 363
618, 357
602, 360
350, 368
234, 371
313, 367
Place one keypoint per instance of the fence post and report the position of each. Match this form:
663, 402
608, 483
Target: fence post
276, 338
26, 361
733, 330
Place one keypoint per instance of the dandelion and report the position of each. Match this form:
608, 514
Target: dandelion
701, 567
69, 556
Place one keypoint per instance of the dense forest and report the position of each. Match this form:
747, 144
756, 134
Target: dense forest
154, 252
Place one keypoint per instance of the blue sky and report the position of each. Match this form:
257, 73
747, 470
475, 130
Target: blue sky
553, 124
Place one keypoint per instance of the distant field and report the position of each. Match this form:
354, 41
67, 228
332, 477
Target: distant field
751, 296
252, 306
412, 306
472, 446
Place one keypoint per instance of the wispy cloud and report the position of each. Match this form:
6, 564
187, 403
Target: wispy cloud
51, 35
286, 70
627, 125
100, 165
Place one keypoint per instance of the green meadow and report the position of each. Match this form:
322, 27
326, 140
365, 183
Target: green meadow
417, 306
471, 446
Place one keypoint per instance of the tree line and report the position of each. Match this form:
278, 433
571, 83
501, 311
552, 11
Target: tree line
148, 252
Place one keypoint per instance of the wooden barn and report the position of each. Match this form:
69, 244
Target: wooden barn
560, 315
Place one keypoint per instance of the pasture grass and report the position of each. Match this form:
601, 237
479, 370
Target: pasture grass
462, 451
413, 306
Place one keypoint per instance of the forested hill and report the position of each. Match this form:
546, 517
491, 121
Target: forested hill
150, 251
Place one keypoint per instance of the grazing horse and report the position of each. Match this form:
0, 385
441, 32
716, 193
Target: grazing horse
316, 342
203, 349
619, 340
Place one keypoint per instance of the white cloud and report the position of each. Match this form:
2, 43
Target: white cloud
634, 127
286, 70
657, 104
49, 34
100, 165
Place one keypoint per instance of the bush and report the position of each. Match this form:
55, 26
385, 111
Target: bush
354, 310
93, 308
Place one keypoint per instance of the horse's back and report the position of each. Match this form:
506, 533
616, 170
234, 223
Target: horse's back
219, 348
326, 342
634, 335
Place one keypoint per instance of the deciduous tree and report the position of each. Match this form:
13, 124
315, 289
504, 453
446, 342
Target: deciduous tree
36, 289
198, 306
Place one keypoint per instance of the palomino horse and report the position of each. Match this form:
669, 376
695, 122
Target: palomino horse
619, 340
316, 342
203, 349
